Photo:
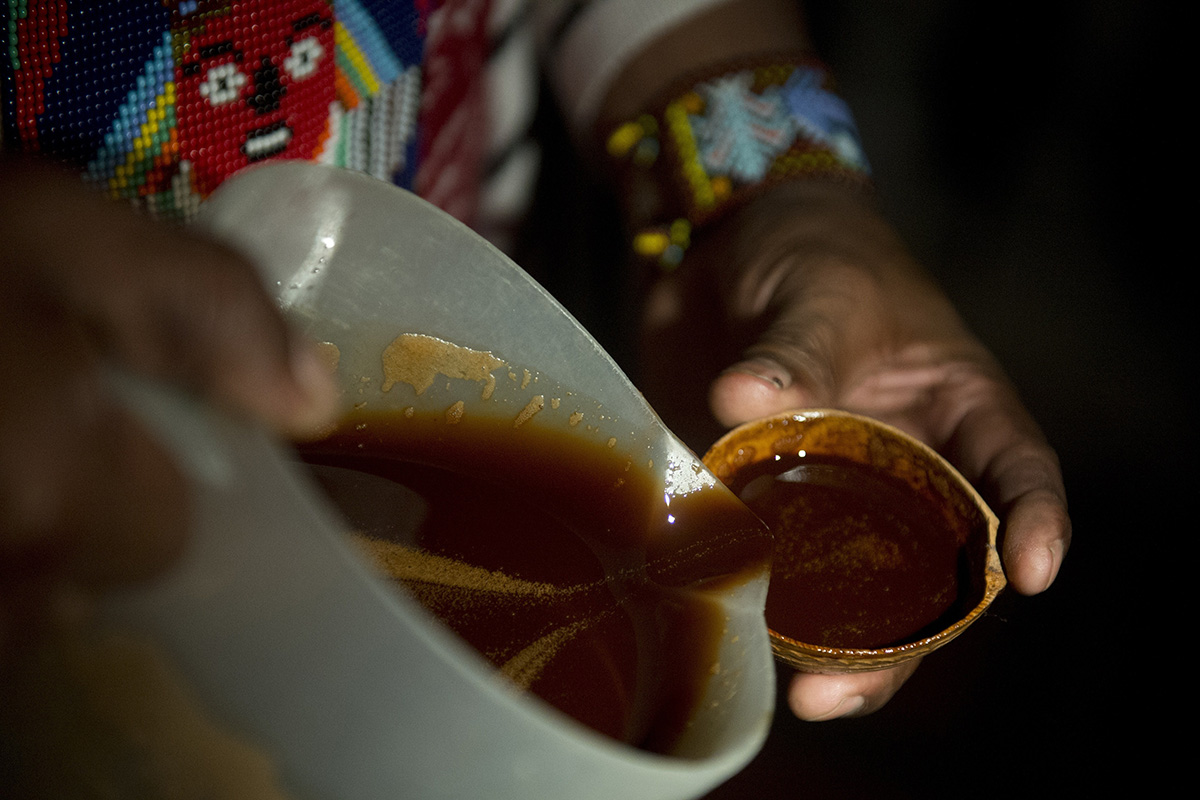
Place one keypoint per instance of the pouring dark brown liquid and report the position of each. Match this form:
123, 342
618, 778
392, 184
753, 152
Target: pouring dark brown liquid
558, 560
861, 560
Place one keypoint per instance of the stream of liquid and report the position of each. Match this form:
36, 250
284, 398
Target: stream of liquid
560, 561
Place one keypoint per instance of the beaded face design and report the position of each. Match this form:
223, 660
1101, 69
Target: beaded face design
253, 85
159, 101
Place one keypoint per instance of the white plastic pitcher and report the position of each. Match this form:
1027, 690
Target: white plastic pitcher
289, 637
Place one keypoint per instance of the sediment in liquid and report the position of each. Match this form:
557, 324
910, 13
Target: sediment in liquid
861, 561
559, 562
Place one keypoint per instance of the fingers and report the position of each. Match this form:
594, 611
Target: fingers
1037, 535
1000, 449
1026, 480
87, 497
888, 344
756, 388
163, 301
817, 698
205, 323
85, 493
819, 321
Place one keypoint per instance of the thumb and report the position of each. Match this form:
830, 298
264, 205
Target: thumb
792, 364
757, 387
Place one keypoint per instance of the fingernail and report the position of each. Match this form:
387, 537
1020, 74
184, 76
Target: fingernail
848, 707
764, 370
1046, 563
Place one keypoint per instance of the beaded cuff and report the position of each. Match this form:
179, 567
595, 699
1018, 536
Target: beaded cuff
709, 149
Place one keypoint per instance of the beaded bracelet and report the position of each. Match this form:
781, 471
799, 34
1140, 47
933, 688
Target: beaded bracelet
727, 137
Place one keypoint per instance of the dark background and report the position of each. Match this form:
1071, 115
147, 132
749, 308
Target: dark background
1018, 150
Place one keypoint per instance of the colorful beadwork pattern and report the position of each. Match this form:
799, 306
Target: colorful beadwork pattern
726, 138
158, 101
379, 49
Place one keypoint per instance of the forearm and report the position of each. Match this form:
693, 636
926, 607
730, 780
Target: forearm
712, 113
725, 33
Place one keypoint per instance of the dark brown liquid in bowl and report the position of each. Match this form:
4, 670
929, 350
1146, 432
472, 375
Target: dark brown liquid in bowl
561, 563
861, 560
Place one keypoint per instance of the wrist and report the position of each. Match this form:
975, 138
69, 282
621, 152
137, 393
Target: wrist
725, 139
